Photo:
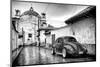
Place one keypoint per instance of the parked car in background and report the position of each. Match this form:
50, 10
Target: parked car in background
68, 45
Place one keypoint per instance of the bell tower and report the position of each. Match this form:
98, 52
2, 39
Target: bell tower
18, 12
43, 20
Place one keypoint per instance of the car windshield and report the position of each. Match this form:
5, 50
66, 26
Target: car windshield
70, 39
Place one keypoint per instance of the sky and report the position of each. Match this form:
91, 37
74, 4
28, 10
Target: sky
56, 14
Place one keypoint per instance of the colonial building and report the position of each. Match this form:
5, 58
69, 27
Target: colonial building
30, 25
24, 29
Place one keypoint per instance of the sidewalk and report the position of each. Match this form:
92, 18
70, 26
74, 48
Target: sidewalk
15, 53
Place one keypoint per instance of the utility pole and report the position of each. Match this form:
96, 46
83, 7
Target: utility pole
38, 32
23, 36
41, 22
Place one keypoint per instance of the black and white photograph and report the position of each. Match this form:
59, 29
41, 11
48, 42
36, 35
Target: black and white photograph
45, 33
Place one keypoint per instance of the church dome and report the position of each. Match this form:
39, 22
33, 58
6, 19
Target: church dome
31, 12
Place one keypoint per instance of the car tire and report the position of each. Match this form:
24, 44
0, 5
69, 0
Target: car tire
64, 53
53, 51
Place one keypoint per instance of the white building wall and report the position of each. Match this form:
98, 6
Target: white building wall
13, 40
85, 31
62, 32
49, 39
42, 36
31, 40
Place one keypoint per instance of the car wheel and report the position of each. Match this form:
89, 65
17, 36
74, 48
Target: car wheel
64, 52
53, 51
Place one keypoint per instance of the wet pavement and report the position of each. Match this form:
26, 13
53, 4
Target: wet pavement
32, 55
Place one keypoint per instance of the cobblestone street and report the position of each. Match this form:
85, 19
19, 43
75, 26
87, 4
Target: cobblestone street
32, 55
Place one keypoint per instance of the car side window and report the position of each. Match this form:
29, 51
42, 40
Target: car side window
65, 39
60, 40
69, 39
72, 40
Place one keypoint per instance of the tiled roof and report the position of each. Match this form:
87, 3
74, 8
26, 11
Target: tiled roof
88, 12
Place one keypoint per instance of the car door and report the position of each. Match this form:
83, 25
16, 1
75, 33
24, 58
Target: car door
60, 45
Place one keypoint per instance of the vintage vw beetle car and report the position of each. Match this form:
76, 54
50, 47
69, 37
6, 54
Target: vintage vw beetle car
68, 45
